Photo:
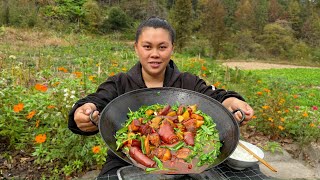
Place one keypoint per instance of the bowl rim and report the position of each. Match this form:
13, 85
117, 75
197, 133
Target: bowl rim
259, 152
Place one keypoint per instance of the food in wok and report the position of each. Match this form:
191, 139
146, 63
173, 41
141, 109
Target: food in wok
178, 139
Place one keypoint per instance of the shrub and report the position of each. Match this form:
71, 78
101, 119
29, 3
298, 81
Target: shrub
117, 21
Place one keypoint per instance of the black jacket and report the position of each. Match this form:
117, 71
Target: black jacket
125, 82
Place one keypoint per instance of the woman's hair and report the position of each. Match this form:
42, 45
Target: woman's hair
156, 22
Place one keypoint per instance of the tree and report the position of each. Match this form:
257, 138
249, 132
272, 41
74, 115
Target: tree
294, 11
275, 10
230, 8
181, 19
244, 15
278, 38
311, 30
214, 27
260, 15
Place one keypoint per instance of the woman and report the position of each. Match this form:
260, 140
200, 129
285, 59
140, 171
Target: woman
154, 46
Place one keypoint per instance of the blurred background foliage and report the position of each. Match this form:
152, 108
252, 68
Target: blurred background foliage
246, 29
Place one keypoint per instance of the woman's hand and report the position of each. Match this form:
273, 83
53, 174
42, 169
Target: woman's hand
233, 103
82, 119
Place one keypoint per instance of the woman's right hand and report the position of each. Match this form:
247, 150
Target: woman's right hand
81, 117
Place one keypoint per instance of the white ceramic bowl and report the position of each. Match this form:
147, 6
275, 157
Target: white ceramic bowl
241, 159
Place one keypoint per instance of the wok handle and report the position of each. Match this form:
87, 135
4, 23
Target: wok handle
91, 119
243, 116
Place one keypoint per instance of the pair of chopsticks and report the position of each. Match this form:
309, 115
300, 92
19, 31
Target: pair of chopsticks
257, 157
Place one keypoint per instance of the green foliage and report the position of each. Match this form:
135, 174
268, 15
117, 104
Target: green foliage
214, 28
277, 38
19, 13
117, 21
181, 18
273, 147
92, 15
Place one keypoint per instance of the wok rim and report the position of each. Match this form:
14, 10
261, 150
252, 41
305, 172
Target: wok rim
137, 91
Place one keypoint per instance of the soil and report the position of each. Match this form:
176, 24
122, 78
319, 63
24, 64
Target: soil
20, 164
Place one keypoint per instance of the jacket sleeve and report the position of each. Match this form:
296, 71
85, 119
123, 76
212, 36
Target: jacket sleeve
197, 84
104, 94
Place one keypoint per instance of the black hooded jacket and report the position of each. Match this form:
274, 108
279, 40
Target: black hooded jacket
132, 80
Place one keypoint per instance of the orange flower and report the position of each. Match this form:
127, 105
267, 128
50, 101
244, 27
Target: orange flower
31, 114
41, 138
216, 84
37, 123
92, 78
96, 149
282, 119
295, 96
17, 108
266, 90
203, 68
281, 128
41, 87
270, 119
63, 69
265, 107
254, 117
259, 93
312, 125
51, 106
111, 74
286, 111
78, 74
305, 114
55, 84
204, 75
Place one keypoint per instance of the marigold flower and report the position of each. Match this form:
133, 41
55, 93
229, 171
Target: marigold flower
281, 128
31, 114
92, 78
266, 90
17, 108
41, 87
78, 74
111, 74
286, 111
254, 117
305, 114
259, 93
312, 125
115, 64
295, 96
37, 123
41, 138
217, 84
315, 108
204, 75
265, 107
62, 69
124, 69
55, 84
96, 149
203, 68
51, 106
282, 119
270, 119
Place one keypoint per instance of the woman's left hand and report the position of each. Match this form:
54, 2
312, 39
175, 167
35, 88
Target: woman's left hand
233, 103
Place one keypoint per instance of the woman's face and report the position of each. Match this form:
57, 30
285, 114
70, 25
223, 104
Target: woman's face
154, 48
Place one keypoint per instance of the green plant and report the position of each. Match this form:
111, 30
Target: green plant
273, 147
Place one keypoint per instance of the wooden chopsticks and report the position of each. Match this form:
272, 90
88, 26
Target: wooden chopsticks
256, 156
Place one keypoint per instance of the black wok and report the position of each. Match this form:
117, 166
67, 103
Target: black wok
114, 115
